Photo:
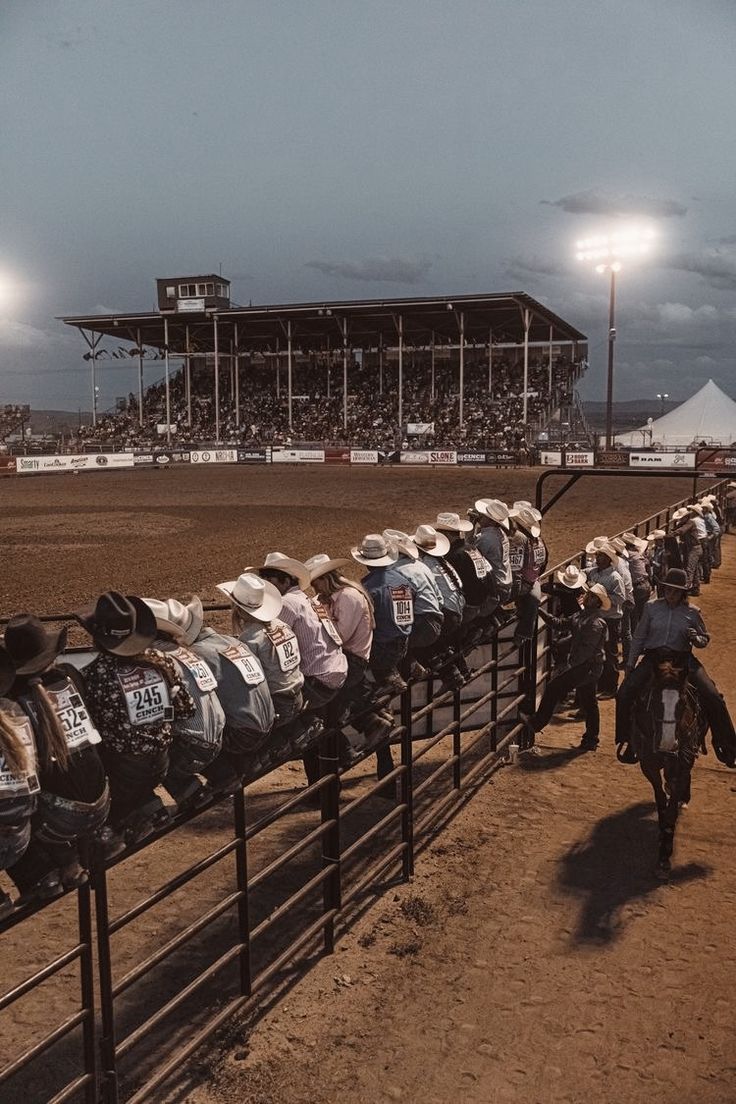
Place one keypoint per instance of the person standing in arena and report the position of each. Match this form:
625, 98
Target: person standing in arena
689, 528
528, 554
606, 573
640, 576
629, 606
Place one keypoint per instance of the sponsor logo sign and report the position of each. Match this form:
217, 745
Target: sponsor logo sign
551, 459
7, 465
720, 459
143, 458
418, 429
297, 456
364, 456
337, 456
185, 305
502, 459
254, 456
214, 456
611, 458
84, 462
414, 458
471, 457
446, 456
658, 460
579, 459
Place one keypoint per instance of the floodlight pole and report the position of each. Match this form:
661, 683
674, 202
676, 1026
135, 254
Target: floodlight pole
549, 375
380, 364
166, 377
188, 375
431, 393
462, 368
140, 378
344, 329
527, 315
611, 340
401, 374
237, 375
217, 378
490, 361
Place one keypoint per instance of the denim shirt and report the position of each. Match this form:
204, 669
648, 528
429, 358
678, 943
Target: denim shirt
665, 626
394, 599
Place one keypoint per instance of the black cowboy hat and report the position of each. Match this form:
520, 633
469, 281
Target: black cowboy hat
119, 623
31, 647
7, 671
676, 578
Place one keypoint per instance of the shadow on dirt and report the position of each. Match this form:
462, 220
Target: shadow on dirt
549, 760
615, 866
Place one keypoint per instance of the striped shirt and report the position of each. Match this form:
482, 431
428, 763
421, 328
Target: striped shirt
322, 655
352, 616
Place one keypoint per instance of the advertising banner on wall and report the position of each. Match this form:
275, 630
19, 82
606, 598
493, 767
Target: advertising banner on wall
214, 456
418, 429
7, 465
579, 459
551, 459
161, 458
337, 456
93, 461
657, 460
364, 456
611, 458
297, 456
414, 457
502, 458
254, 456
471, 458
718, 460
443, 456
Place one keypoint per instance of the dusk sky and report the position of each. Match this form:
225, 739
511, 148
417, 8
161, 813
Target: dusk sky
345, 149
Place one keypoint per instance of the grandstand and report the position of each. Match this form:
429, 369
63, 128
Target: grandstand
469, 371
13, 420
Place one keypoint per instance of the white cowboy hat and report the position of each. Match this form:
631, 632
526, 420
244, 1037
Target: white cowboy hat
398, 539
494, 509
572, 577
635, 542
656, 534
601, 594
608, 550
696, 508
375, 551
255, 596
453, 523
277, 561
179, 619
679, 514
706, 504
321, 564
430, 541
525, 517
619, 545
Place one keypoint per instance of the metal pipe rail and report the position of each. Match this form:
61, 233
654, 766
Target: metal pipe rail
441, 762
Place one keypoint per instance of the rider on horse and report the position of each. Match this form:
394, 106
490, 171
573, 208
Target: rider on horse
671, 624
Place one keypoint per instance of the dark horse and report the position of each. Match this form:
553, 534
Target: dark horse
669, 728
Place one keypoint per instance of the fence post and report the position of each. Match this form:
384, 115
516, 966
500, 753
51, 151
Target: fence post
407, 787
104, 965
87, 984
494, 691
241, 874
330, 810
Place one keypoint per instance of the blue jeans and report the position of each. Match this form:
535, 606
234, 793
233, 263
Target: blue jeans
527, 605
14, 840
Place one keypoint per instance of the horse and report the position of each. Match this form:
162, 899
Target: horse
669, 728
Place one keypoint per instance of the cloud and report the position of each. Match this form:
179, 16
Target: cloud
524, 267
389, 270
100, 308
593, 202
716, 266
15, 336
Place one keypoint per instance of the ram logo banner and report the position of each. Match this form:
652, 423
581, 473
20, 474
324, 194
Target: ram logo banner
662, 459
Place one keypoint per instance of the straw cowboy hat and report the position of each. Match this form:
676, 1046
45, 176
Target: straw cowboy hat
182, 620
7, 671
277, 561
494, 509
680, 514
572, 577
656, 534
620, 546
402, 541
607, 549
254, 596
452, 523
601, 594
29, 646
676, 578
696, 508
527, 517
119, 623
321, 564
375, 551
430, 541
632, 541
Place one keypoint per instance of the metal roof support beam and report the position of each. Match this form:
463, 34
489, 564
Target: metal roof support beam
92, 343
289, 370
237, 377
431, 392
140, 378
166, 381
216, 339
549, 379
490, 361
399, 323
461, 327
344, 330
380, 364
526, 315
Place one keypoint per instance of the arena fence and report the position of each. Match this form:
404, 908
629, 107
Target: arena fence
125, 1034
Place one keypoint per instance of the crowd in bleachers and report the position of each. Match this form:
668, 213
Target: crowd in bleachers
12, 419
492, 420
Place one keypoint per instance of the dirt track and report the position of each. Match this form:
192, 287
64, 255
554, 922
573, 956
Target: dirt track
538, 882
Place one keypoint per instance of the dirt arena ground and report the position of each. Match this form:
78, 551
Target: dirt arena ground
534, 958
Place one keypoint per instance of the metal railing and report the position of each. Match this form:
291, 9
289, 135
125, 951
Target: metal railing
258, 931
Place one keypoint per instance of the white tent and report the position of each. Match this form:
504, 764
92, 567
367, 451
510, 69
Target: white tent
709, 415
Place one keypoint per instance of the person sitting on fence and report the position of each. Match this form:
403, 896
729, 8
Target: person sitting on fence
19, 785
491, 517
135, 695
628, 607
566, 588
351, 609
606, 573
394, 610
74, 797
197, 740
587, 630
473, 570
528, 554
427, 601
444, 655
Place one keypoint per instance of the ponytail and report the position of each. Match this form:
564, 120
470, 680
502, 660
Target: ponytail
49, 726
238, 621
12, 748
163, 665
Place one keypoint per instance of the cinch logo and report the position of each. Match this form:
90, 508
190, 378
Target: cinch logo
101, 460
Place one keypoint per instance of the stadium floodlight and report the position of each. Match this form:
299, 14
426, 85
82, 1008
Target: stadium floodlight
607, 251
663, 396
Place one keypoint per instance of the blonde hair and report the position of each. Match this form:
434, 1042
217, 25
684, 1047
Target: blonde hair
12, 748
334, 581
49, 725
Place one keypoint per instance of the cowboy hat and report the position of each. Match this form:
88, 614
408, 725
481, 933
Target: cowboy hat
676, 578
375, 551
453, 523
607, 549
656, 534
679, 514
277, 561
7, 671
572, 577
696, 508
321, 564
601, 594
182, 620
620, 546
430, 541
30, 646
525, 517
398, 539
254, 596
119, 623
633, 541
494, 510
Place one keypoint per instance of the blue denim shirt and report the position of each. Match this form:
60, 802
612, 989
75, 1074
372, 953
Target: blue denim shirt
665, 626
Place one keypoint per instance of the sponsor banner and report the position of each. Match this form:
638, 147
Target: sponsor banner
503, 459
337, 456
254, 456
551, 459
418, 429
611, 458
364, 456
7, 465
161, 458
718, 460
579, 459
414, 458
93, 461
443, 456
471, 458
297, 456
656, 460
214, 456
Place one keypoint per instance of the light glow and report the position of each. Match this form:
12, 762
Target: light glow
633, 241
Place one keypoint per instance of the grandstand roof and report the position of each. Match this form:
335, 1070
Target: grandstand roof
369, 321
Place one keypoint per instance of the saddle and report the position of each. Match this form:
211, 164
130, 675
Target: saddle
667, 710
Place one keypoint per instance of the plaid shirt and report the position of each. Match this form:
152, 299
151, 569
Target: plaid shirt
106, 702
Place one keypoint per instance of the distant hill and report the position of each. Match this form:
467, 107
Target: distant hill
626, 415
